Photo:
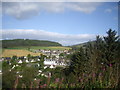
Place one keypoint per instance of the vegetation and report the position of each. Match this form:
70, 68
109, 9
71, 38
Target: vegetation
96, 65
27, 42
78, 46
24, 50
17, 52
40, 47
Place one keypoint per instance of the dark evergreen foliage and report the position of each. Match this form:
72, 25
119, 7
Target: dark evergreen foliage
100, 57
27, 42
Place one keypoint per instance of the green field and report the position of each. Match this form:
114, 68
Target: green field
24, 51
39, 47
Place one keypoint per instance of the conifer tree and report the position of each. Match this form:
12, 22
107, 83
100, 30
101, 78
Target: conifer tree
111, 47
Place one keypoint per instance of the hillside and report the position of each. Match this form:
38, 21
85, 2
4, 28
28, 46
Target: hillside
27, 42
77, 46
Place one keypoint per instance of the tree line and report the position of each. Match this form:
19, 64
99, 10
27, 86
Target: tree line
27, 42
97, 65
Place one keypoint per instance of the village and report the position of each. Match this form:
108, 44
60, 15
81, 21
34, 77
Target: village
52, 57
55, 57
48, 59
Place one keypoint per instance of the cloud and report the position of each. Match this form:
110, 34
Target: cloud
87, 7
25, 10
21, 10
108, 10
64, 39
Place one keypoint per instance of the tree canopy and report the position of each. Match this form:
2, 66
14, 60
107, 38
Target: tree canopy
27, 42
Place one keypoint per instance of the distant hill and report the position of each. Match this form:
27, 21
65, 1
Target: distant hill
27, 42
77, 46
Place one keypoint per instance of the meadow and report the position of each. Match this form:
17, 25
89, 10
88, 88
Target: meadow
39, 47
24, 51
17, 52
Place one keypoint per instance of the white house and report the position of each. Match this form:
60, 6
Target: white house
17, 72
38, 64
13, 67
44, 75
39, 71
27, 61
53, 62
57, 56
25, 57
51, 66
20, 76
49, 62
20, 61
0, 71
32, 60
38, 59
17, 65
45, 67
9, 63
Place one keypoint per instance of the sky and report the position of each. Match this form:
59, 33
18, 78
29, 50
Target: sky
68, 23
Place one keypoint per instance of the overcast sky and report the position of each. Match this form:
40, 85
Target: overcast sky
63, 22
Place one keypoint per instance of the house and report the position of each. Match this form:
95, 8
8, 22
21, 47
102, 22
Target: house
44, 75
20, 76
49, 62
38, 59
38, 64
32, 60
13, 67
20, 61
45, 67
0, 71
39, 71
57, 56
52, 66
26, 61
17, 65
9, 63
25, 57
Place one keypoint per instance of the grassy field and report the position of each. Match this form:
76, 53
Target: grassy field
24, 51
16, 52
39, 47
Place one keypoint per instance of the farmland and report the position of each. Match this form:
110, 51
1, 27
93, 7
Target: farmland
24, 51
40, 47
21, 47
16, 52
